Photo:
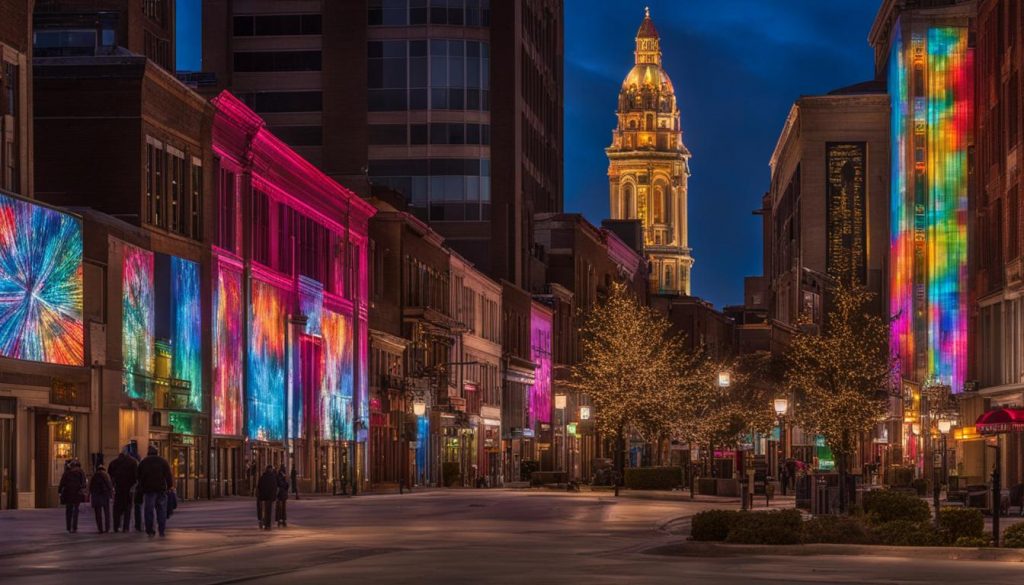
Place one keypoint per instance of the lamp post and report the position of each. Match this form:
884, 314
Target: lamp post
945, 424
781, 406
561, 401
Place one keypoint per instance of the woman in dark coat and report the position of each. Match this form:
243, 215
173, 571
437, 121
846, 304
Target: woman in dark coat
72, 492
282, 496
101, 491
266, 495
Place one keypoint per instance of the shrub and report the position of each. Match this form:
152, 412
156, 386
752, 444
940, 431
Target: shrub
883, 506
782, 527
1013, 537
972, 541
836, 530
452, 474
957, 523
920, 486
654, 478
900, 475
907, 533
712, 525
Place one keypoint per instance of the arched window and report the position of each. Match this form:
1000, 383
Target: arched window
659, 204
650, 122
627, 202
668, 277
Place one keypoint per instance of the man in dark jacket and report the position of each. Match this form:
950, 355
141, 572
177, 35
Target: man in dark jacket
155, 479
72, 490
266, 495
123, 471
280, 513
101, 490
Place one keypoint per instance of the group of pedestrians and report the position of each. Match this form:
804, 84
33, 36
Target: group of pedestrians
272, 491
145, 487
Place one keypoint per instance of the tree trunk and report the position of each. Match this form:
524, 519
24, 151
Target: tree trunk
842, 464
620, 458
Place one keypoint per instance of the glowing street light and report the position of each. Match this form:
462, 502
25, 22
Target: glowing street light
781, 407
724, 379
419, 407
560, 401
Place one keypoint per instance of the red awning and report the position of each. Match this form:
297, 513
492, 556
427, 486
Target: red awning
1001, 420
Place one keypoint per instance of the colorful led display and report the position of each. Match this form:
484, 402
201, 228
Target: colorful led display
188, 328
265, 396
40, 284
539, 409
932, 120
336, 405
137, 323
227, 353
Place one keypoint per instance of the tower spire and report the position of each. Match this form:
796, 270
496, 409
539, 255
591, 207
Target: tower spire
648, 44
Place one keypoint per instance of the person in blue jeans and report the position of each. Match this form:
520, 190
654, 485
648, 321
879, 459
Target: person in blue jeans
155, 481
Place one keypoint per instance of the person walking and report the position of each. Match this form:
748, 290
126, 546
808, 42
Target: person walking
123, 471
101, 490
155, 480
72, 490
295, 481
266, 495
280, 514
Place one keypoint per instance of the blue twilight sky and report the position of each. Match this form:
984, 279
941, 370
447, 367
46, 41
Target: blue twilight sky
737, 66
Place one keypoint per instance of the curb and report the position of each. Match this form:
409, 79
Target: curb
715, 549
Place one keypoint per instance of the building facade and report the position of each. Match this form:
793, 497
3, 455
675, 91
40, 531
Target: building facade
290, 314
649, 168
400, 94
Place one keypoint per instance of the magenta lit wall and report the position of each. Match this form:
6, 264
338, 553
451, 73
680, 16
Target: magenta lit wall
540, 354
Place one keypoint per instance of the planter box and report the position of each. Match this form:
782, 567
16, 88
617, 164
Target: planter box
727, 487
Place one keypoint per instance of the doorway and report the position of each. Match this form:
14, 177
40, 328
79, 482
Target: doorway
7, 480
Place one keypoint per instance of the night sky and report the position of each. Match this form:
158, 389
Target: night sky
737, 66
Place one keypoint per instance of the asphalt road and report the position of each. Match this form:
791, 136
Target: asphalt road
468, 537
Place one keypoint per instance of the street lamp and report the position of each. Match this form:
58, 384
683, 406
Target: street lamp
561, 401
781, 406
945, 424
419, 407
724, 379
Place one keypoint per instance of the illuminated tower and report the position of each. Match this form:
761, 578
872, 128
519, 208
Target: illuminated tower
925, 53
648, 165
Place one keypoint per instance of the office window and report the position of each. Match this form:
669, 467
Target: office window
389, 134
266, 61
267, 25
284, 101
300, 135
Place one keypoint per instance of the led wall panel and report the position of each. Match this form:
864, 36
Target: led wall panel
539, 408
188, 328
931, 76
336, 402
227, 353
846, 207
267, 365
137, 323
40, 284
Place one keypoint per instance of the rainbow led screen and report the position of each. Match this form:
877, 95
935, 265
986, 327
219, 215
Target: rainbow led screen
137, 322
227, 353
40, 284
265, 399
188, 328
931, 133
335, 408
311, 304
540, 353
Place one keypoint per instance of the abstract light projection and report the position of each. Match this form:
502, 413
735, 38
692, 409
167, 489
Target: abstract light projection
539, 408
931, 132
227, 353
265, 399
336, 405
188, 328
137, 322
40, 284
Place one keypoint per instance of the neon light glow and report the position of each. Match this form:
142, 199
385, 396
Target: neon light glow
929, 212
188, 328
539, 408
335, 408
137, 323
40, 284
227, 353
265, 399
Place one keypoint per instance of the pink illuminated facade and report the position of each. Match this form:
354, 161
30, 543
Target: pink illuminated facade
290, 312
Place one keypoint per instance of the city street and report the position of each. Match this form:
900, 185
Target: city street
465, 536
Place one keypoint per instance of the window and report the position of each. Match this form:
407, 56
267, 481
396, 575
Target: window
300, 135
261, 206
412, 75
155, 9
267, 25
195, 202
10, 135
391, 12
388, 134
156, 162
226, 209
177, 190
284, 101
264, 61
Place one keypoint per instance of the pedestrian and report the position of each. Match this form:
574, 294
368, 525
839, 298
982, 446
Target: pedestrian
72, 490
101, 490
123, 471
295, 482
154, 481
266, 495
784, 477
280, 513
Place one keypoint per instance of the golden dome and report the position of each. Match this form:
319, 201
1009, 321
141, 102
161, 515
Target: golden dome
648, 75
